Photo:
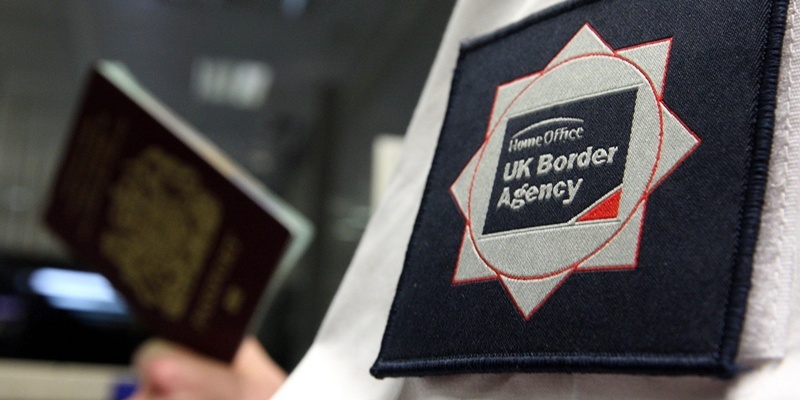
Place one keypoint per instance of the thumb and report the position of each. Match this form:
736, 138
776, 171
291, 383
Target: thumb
261, 376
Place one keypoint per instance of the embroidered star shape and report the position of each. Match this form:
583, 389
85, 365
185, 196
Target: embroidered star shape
533, 261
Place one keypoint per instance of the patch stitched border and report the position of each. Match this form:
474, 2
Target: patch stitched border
720, 363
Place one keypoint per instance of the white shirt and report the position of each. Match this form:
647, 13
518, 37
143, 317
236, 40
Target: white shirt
337, 365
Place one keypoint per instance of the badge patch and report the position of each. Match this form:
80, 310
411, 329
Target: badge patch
594, 198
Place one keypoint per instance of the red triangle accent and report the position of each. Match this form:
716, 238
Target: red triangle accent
605, 210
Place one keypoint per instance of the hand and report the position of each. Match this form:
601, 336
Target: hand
170, 372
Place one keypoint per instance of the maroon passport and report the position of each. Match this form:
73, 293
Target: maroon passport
189, 239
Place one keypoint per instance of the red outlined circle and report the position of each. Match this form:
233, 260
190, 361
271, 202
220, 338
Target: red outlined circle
493, 130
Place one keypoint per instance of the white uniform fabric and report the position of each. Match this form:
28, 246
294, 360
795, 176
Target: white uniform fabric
337, 365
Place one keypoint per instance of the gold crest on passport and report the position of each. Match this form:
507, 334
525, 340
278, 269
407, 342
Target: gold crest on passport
194, 244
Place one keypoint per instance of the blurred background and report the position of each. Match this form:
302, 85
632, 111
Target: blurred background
311, 96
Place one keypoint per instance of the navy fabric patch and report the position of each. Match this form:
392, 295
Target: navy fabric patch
594, 199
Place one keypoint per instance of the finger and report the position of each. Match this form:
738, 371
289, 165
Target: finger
156, 366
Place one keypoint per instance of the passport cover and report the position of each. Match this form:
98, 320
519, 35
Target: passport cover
189, 239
